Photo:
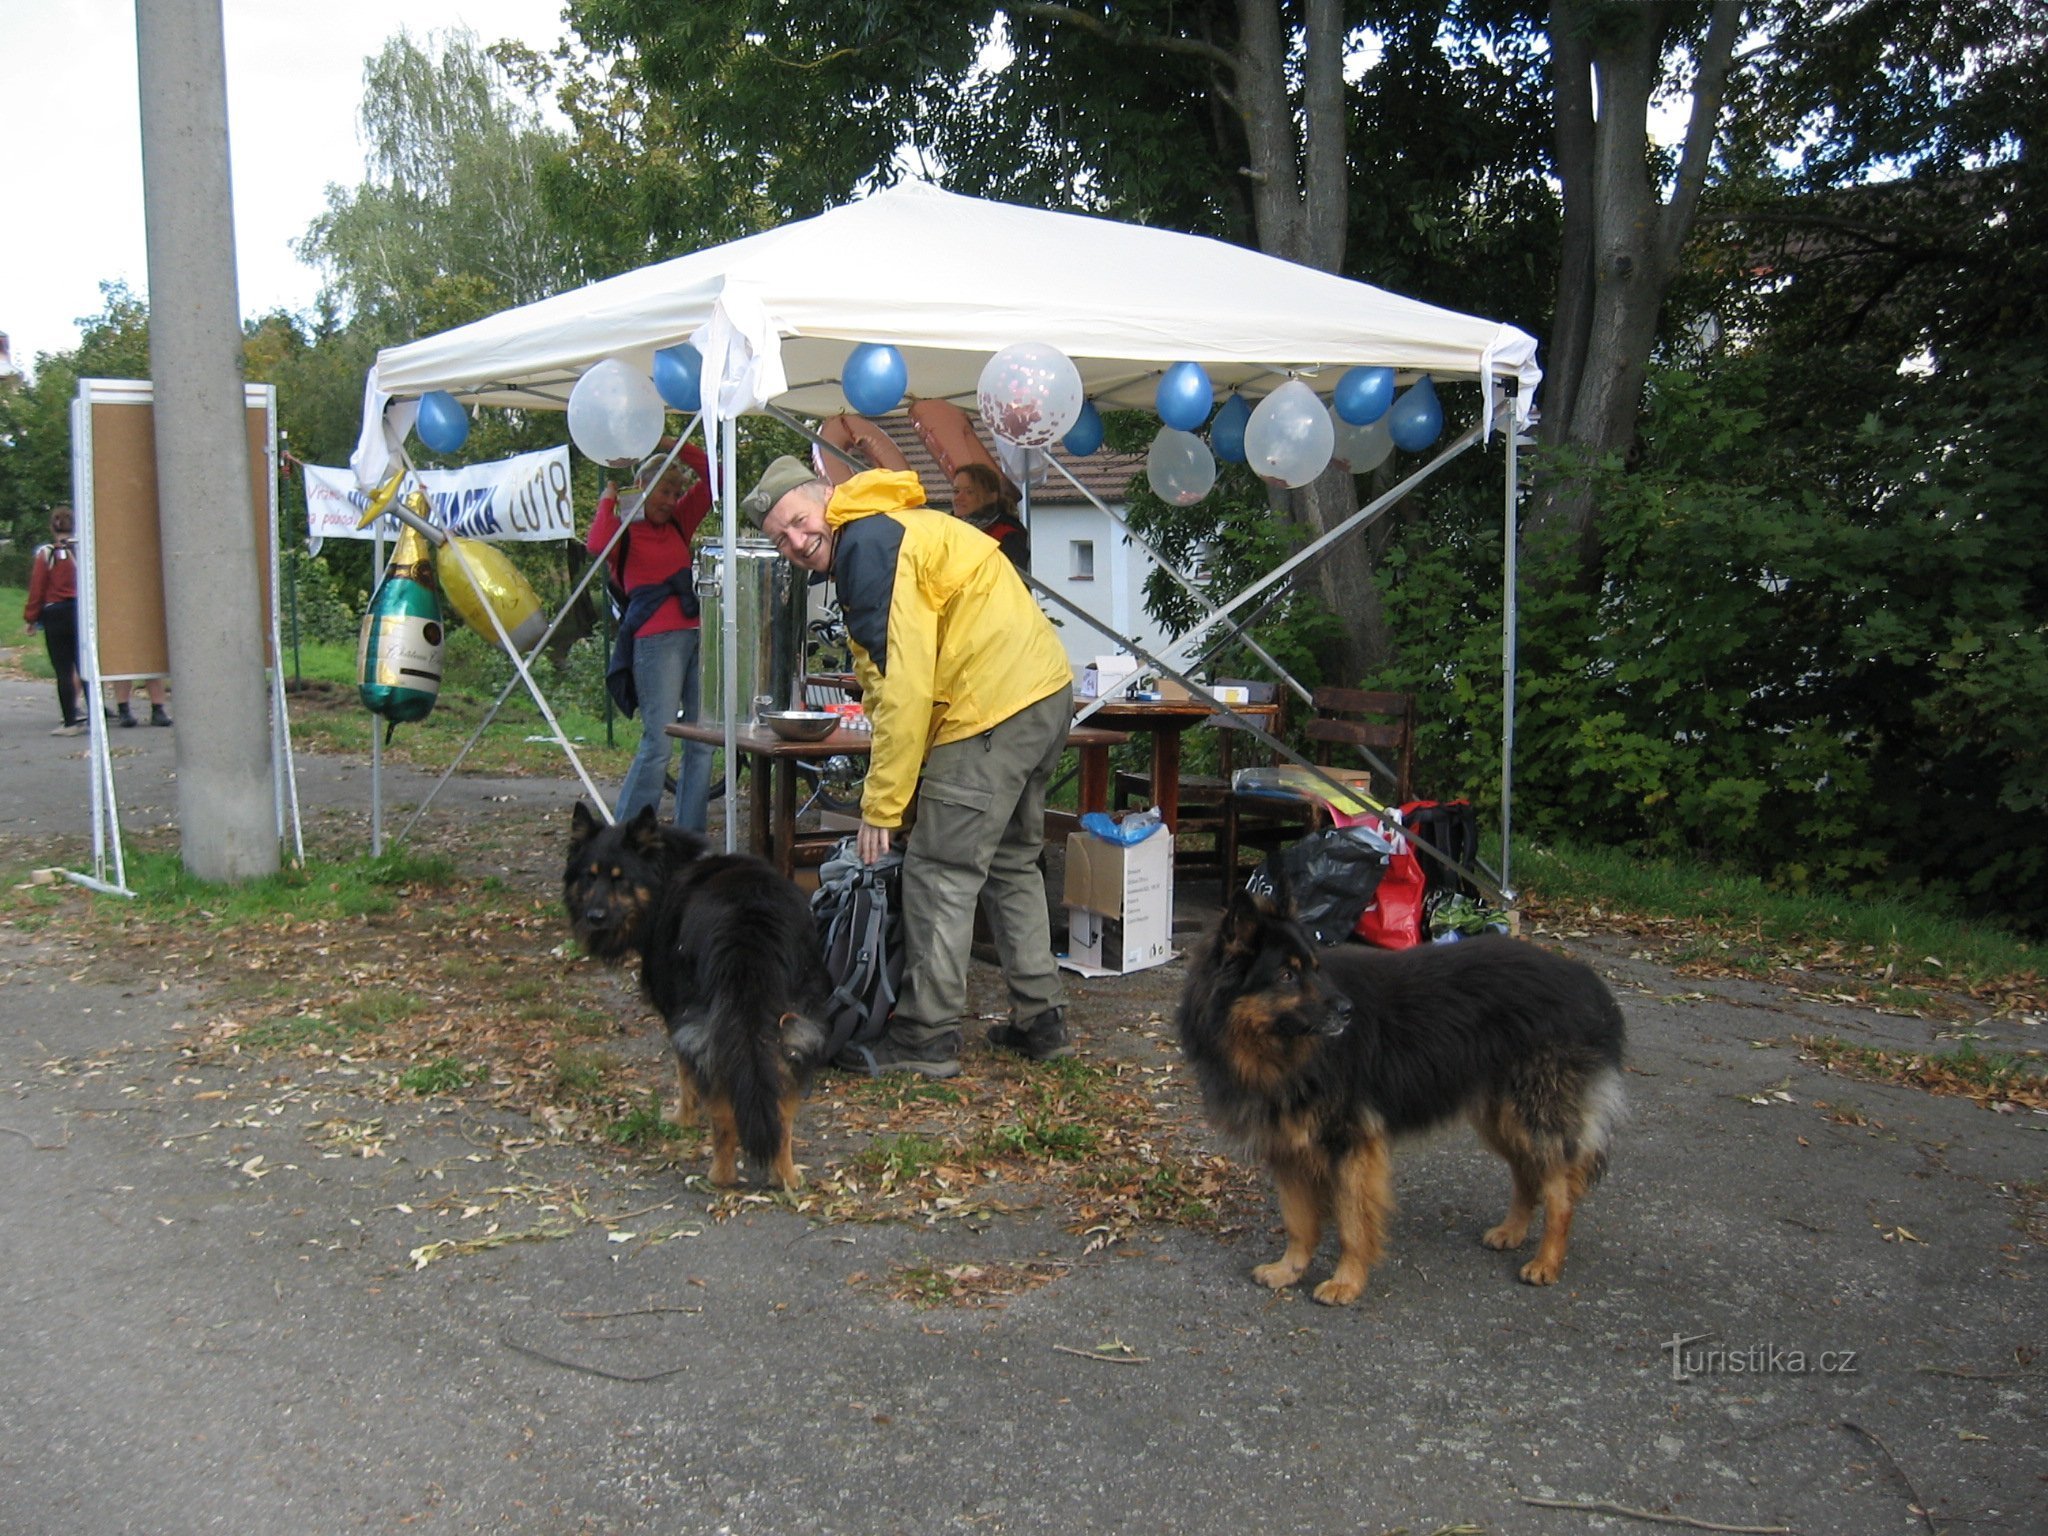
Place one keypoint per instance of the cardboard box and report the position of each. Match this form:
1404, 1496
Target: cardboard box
1107, 676
1254, 693
1119, 904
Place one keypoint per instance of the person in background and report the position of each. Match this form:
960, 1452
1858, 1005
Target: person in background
984, 498
53, 608
654, 665
970, 695
124, 691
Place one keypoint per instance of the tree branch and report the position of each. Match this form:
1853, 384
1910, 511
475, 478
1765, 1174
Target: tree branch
1709, 90
1165, 42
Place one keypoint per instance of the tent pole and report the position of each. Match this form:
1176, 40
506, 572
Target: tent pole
834, 449
721, 434
1512, 434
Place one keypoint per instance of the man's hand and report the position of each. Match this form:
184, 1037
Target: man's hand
873, 842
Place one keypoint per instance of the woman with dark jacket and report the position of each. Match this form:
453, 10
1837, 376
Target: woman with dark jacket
53, 607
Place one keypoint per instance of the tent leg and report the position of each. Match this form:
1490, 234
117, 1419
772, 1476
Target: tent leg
1507, 665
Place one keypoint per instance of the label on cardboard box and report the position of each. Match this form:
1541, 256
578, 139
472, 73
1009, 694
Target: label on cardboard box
1119, 904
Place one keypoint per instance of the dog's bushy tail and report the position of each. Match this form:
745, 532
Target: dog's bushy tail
775, 1053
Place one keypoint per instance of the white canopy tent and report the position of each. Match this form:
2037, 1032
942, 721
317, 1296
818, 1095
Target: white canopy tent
949, 280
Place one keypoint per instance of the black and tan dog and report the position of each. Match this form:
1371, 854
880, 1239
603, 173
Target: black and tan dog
1315, 1059
728, 957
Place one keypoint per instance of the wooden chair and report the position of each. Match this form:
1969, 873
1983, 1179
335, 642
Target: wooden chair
1352, 718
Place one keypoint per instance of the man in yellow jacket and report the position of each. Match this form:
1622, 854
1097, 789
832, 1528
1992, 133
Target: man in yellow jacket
969, 693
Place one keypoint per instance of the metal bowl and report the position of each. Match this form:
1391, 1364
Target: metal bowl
800, 724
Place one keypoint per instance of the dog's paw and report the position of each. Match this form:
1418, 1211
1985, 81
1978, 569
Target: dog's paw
1339, 1293
1506, 1235
1536, 1272
1278, 1275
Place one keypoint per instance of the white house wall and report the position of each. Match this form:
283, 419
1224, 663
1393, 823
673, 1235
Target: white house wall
1116, 595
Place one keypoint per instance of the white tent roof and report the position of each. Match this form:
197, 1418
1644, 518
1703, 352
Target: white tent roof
949, 280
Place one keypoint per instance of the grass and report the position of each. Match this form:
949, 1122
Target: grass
1988, 1078
448, 1075
328, 717
1041, 1136
902, 1159
321, 888
1742, 923
644, 1125
320, 1031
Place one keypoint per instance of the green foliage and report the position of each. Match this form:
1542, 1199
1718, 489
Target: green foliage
35, 419
1813, 657
449, 227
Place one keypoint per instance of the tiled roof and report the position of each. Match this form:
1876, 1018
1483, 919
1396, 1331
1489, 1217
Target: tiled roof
1106, 474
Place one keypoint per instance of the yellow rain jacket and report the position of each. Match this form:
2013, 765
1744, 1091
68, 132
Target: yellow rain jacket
947, 641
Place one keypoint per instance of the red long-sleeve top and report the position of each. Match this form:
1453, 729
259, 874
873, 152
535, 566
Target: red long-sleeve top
656, 551
53, 578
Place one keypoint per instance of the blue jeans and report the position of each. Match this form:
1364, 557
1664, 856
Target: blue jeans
665, 675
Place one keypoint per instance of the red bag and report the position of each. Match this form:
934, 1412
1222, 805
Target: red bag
1394, 919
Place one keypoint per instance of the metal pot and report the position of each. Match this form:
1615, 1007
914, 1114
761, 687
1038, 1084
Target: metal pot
768, 606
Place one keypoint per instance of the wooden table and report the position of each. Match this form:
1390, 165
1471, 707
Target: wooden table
1165, 720
772, 816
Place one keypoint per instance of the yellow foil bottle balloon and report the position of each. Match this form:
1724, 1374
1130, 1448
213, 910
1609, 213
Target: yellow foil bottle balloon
503, 592
398, 667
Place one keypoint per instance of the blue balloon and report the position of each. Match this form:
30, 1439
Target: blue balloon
1085, 435
1184, 397
679, 377
874, 378
1363, 395
443, 425
1226, 432
1415, 420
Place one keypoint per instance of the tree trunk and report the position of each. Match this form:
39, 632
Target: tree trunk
1301, 199
1621, 241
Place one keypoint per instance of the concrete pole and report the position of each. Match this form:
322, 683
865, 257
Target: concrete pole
213, 603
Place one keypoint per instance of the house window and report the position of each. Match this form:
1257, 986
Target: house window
1081, 559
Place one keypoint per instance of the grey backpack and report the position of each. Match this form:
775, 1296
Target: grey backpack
859, 912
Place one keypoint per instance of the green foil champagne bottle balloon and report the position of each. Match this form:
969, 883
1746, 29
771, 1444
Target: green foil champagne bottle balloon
398, 667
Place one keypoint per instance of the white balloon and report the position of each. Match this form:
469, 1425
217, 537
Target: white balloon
1361, 449
1030, 394
1180, 467
1289, 439
1022, 466
615, 413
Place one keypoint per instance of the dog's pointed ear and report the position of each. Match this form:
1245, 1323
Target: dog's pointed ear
1282, 898
582, 828
1241, 918
643, 832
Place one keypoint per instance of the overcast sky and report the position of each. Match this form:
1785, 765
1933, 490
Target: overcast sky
71, 165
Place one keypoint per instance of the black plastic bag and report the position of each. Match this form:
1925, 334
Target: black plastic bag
1330, 876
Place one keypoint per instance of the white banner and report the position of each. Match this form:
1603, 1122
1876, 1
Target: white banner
525, 498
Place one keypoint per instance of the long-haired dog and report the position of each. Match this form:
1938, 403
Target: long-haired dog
729, 959
1314, 1059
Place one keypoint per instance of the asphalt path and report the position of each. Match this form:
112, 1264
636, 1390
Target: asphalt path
1795, 1303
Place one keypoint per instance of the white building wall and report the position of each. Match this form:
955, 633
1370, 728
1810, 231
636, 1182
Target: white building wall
1116, 593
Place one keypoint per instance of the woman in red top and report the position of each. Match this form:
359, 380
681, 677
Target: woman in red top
53, 604
652, 565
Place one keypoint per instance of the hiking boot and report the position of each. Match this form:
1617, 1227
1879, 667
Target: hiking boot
939, 1059
1040, 1038
158, 715
126, 715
